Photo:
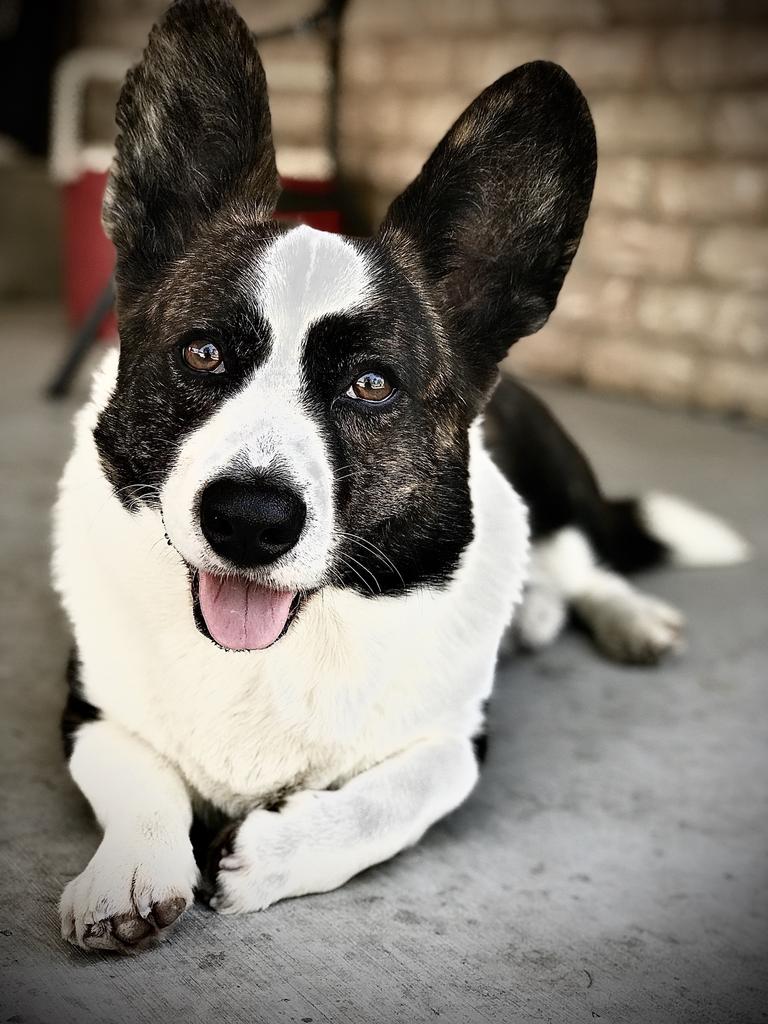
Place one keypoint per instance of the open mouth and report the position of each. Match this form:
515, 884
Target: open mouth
239, 614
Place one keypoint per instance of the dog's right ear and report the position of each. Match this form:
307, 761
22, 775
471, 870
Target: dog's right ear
495, 216
194, 137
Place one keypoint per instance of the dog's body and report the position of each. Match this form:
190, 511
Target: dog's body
356, 678
288, 597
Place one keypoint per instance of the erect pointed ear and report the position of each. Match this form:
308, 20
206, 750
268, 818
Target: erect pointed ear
496, 214
194, 137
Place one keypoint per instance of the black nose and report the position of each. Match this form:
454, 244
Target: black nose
251, 523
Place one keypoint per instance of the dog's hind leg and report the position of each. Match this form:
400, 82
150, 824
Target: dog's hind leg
625, 623
584, 543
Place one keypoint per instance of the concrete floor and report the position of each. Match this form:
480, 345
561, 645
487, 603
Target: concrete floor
611, 865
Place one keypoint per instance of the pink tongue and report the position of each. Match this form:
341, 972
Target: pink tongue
241, 615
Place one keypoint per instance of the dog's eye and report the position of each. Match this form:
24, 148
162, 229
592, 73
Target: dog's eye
203, 356
371, 387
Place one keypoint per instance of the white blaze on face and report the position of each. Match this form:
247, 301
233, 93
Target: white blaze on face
303, 276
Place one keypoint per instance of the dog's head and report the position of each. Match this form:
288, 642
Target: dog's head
296, 404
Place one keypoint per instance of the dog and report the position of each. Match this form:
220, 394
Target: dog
299, 511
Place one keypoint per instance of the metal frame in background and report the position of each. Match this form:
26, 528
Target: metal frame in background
326, 20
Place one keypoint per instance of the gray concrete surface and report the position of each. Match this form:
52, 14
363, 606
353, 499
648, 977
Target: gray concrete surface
611, 866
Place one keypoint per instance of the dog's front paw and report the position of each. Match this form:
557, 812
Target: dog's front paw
129, 896
273, 855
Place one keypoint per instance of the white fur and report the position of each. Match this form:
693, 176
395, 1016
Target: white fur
542, 614
694, 537
303, 276
626, 624
377, 695
319, 840
146, 856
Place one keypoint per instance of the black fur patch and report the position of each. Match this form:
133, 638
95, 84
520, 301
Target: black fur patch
402, 507
480, 746
158, 401
550, 472
480, 739
77, 710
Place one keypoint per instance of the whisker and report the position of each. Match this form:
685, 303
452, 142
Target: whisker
340, 479
375, 550
365, 569
352, 569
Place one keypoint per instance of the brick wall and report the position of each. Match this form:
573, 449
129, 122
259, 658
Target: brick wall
667, 298
668, 294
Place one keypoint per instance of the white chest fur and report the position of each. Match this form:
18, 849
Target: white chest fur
355, 679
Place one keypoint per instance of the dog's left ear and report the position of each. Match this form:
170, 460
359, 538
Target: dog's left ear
194, 137
496, 214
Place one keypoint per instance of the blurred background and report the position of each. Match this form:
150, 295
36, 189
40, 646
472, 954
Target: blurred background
667, 296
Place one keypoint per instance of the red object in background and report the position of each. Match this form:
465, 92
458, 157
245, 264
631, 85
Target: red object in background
310, 201
89, 256
323, 220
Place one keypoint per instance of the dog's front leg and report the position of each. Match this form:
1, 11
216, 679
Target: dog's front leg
143, 874
321, 838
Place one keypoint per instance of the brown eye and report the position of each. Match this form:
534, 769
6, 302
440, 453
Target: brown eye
371, 387
203, 356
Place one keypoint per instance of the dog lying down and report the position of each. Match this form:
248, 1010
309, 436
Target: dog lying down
287, 552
